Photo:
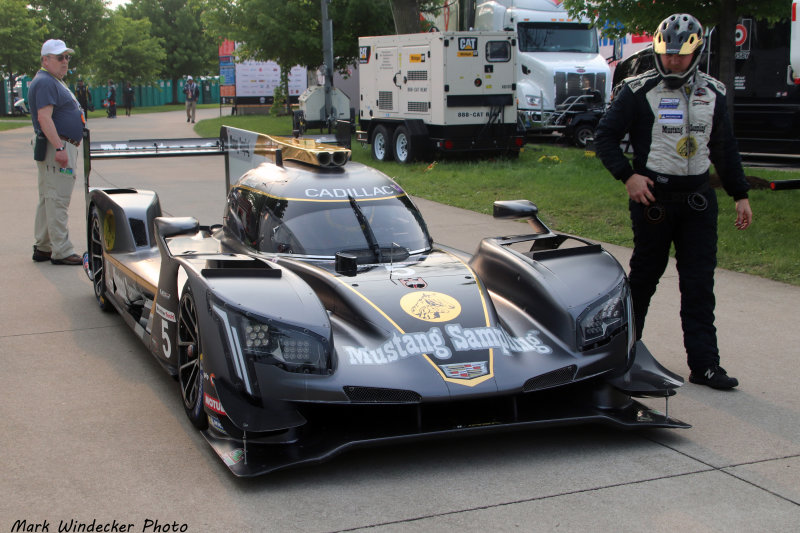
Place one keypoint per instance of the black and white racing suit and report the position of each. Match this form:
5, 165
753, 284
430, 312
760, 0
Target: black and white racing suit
676, 134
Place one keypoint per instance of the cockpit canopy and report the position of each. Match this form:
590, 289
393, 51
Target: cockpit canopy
320, 215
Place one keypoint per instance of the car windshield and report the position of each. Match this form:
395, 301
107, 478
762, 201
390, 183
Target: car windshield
324, 228
556, 37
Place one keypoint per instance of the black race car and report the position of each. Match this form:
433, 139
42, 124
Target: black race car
320, 315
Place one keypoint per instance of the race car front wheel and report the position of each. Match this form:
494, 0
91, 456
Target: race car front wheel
190, 362
96, 260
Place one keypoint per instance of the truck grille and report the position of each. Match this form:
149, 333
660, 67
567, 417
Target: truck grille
385, 100
575, 84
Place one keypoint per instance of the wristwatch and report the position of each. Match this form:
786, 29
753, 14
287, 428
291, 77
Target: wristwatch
63, 147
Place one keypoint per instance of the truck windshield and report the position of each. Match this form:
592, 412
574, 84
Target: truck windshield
556, 37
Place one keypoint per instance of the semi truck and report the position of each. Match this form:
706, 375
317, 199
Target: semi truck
559, 59
434, 93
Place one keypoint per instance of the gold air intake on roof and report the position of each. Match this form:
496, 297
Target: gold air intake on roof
304, 150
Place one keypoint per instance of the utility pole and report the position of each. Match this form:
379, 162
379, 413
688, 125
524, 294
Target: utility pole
327, 56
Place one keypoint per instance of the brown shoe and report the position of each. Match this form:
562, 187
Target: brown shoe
73, 259
40, 255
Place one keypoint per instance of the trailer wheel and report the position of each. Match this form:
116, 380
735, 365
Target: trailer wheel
583, 134
382, 144
401, 142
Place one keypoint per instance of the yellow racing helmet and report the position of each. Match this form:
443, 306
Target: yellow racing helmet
680, 34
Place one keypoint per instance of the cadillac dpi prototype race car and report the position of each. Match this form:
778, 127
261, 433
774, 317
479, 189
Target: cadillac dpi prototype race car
320, 315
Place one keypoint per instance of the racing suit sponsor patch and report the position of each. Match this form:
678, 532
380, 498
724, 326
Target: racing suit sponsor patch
687, 147
669, 103
671, 118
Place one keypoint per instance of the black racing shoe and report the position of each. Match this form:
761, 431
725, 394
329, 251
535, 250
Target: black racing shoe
715, 377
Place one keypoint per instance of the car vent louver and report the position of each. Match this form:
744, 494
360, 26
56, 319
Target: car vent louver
551, 379
379, 395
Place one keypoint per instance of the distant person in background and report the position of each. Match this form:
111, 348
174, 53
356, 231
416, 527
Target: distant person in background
127, 99
192, 92
111, 97
84, 97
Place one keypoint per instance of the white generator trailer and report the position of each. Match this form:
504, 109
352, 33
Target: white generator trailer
427, 94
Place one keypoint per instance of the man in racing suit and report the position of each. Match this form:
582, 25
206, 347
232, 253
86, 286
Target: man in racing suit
678, 124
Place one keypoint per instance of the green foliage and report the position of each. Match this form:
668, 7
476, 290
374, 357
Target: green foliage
639, 16
130, 52
79, 23
289, 32
22, 29
178, 24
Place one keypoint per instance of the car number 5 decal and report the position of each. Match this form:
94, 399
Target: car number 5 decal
167, 345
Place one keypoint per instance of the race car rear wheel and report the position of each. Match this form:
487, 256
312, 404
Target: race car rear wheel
382, 144
96, 260
403, 150
190, 360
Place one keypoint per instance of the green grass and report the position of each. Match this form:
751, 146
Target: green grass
576, 195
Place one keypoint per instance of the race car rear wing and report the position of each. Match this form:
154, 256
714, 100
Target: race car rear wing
243, 150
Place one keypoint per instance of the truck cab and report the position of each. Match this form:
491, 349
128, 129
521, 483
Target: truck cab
558, 56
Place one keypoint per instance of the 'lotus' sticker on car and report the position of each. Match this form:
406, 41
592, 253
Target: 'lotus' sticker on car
431, 306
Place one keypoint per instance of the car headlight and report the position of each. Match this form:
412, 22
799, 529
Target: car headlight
255, 340
533, 101
604, 318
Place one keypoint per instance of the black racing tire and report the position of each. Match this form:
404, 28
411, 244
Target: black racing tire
96, 262
190, 361
582, 135
404, 151
382, 144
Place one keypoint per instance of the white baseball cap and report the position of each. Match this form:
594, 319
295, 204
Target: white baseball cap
55, 47
189, 78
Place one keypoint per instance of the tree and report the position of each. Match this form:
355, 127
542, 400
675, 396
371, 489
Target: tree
77, 22
289, 32
406, 13
618, 17
23, 30
128, 52
406, 16
178, 23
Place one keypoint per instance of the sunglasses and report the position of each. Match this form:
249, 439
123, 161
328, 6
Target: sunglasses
61, 57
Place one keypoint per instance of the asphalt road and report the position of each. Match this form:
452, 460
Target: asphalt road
93, 429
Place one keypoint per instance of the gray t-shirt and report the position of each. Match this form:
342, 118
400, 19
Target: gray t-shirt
46, 89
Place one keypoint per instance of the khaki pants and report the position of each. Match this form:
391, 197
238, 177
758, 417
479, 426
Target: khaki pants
55, 192
190, 108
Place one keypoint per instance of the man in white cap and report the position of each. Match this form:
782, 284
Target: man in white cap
192, 93
58, 125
